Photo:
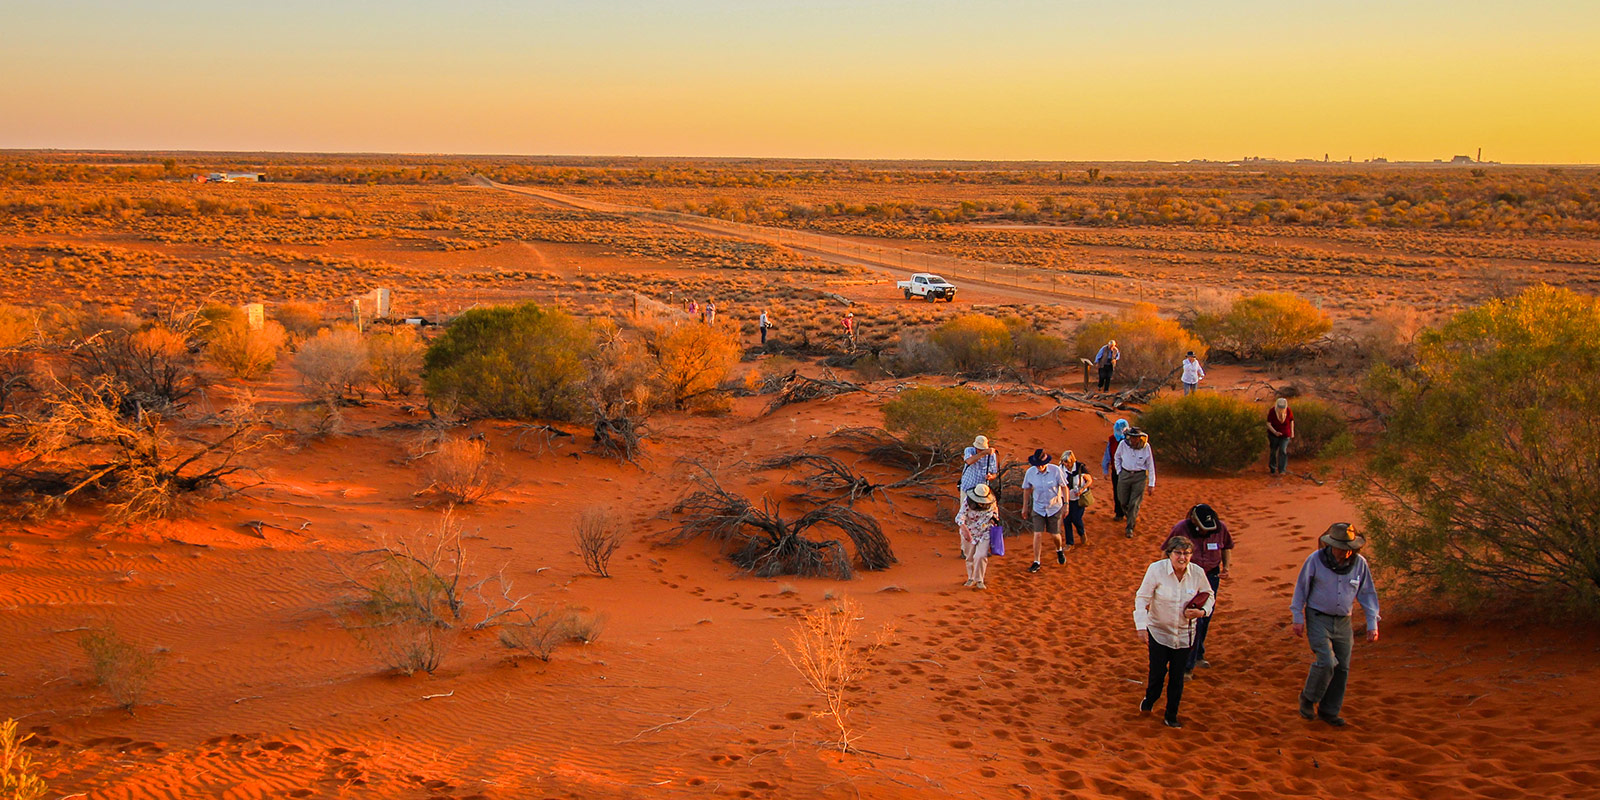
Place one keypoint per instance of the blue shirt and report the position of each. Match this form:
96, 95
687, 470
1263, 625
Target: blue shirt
1321, 589
1048, 488
978, 471
1106, 355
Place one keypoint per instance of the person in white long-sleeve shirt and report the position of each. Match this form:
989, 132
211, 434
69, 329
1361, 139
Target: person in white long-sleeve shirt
1164, 614
1136, 472
1192, 373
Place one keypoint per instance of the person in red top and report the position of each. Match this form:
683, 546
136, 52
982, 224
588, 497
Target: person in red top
850, 327
1213, 552
1280, 429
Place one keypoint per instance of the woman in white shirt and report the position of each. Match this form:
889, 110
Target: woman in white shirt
1164, 612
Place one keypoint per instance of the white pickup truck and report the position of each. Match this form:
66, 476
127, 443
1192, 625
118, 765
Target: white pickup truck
929, 287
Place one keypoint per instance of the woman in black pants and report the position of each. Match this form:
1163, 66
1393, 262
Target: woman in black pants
1078, 479
1173, 595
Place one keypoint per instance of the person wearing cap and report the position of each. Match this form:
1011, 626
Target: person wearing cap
1165, 612
1106, 359
1192, 373
1213, 552
1108, 465
1136, 474
1043, 499
1331, 581
1078, 481
850, 327
979, 464
1280, 429
973, 522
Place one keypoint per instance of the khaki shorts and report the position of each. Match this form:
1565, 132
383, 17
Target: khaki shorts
1046, 523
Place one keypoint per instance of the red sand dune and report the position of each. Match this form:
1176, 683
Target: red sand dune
1025, 690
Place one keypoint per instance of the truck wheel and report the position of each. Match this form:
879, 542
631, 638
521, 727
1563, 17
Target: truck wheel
928, 297
908, 294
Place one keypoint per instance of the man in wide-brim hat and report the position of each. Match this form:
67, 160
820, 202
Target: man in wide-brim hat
1332, 580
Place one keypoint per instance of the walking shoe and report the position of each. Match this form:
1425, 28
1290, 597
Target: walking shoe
1034, 567
1118, 517
1204, 664
1128, 533
1337, 722
1061, 556
969, 582
1172, 722
980, 585
1188, 674
1145, 705
1307, 709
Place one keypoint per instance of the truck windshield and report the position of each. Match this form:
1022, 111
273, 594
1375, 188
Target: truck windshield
935, 279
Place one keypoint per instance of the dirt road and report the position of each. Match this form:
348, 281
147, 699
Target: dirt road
898, 262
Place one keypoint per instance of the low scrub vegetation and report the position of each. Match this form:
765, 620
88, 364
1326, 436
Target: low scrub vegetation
516, 362
941, 420
1318, 425
19, 773
242, 352
1482, 484
394, 360
1269, 325
120, 668
829, 650
598, 534
463, 471
333, 365
692, 362
1206, 430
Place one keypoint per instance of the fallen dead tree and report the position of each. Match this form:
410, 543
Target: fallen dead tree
796, 388
767, 545
833, 481
142, 464
886, 448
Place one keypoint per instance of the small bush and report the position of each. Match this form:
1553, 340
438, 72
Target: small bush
244, 353
154, 365
117, 666
19, 775
692, 362
1316, 423
410, 598
1039, 353
394, 360
463, 471
1206, 430
942, 420
827, 649
598, 535
518, 362
974, 343
333, 364
18, 327
537, 633
584, 627
1267, 325
1152, 347
299, 319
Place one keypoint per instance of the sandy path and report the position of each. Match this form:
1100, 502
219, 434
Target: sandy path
895, 262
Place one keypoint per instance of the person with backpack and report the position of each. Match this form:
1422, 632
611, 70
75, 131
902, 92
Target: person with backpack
979, 465
1136, 474
1078, 481
1213, 553
974, 522
1108, 465
1332, 580
1172, 596
1043, 500
1106, 359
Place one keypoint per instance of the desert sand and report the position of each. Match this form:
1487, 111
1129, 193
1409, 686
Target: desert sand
1024, 690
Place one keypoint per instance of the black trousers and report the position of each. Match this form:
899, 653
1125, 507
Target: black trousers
1203, 624
1166, 665
1105, 378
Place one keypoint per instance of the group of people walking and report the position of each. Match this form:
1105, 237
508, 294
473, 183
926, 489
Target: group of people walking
1173, 606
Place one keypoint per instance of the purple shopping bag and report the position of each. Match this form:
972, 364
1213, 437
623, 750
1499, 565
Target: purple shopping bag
997, 540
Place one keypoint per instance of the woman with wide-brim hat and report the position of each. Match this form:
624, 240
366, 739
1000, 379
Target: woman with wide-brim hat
973, 523
1332, 580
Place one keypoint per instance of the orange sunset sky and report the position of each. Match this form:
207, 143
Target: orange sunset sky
1004, 79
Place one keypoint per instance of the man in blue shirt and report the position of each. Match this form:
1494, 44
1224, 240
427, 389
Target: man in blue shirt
1331, 581
979, 464
1106, 359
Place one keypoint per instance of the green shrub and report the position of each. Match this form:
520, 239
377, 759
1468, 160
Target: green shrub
942, 420
1038, 353
117, 666
1316, 423
519, 362
1484, 479
1267, 325
974, 343
1152, 347
1206, 430
244, 353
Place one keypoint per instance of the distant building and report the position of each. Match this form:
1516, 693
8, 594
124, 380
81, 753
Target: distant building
1461, 160
234, 177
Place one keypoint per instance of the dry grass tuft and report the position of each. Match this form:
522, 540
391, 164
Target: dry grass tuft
598, 535
120, 668
463, 471
824, 649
